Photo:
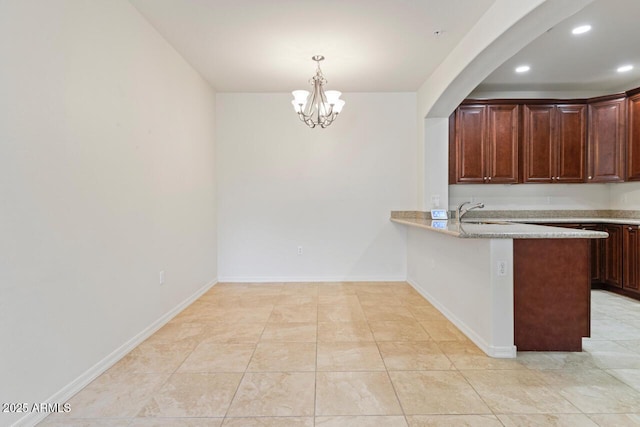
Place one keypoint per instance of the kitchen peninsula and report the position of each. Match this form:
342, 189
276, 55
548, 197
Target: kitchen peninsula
507, 286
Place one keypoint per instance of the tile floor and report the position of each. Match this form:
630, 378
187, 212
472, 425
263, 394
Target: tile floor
357, 355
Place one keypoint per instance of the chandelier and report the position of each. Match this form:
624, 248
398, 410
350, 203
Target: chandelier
321, 108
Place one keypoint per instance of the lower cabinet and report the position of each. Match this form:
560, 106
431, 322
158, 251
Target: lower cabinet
621, 258
612, 256
615, 261
631, 259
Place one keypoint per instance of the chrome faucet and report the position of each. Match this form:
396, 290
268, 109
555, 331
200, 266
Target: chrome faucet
460, 211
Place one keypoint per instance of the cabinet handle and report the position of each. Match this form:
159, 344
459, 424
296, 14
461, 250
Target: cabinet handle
630, 228
489, 178
590, 177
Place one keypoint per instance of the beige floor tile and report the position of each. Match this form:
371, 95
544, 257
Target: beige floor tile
414, 356
616, 420
274, 394
115, 395
340, 313
85, 422
556, 360
193, 395
361, 421
453, 421
611, 355
550, 420
233, 332
466, 355
335, 289
630, 377
593, 391
378, 300
175, 332
281, 357
349, 356
442, 330
295, 299
436, 392
338, 299
155, 357
517, 392
355, 393
241, 315
219, 357
391, 330
614, 329
633, 345
344, 331
383, 312
176, 422
269, 422
414, 300
290, 332
426, 313
294, 313
198, 312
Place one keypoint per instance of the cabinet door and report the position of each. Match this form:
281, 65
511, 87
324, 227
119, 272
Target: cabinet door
631, 255
606, 140
612, 256
537, 143
570, 143
596, 258
502, 144
470, 156
633, 139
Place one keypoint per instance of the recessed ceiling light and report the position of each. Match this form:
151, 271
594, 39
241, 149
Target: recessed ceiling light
625, 68
581, 29
522, 69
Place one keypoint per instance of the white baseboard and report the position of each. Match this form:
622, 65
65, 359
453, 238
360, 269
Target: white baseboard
68, 391
281, 279
507, 352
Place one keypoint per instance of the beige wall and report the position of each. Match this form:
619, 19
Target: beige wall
283, 185
108, 177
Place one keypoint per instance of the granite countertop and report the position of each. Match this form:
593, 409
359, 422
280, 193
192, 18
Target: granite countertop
520, 224
498, 229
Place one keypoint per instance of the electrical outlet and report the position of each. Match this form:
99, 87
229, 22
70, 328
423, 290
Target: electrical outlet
435, 201
161, 277
502, 268
300, 250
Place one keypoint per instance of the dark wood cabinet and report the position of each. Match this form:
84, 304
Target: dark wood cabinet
502, 144
551, 308
596, 253
485, 146
612, 256
631, 258
633, 138
606, 146
554, 143
469, 144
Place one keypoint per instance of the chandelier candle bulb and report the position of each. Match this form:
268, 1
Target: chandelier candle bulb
318, 108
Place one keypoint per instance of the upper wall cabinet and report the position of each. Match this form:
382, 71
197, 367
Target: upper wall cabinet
484, 144
554, 143
633, 138
607, 126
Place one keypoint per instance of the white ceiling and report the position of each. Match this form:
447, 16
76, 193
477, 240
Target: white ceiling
266, 46
561, 61
385, 45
